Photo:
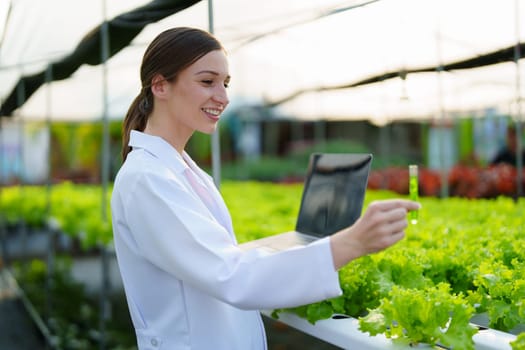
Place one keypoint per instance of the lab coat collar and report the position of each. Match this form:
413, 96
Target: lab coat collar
179, 163
161, 149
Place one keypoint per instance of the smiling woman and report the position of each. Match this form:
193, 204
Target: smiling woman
188, 284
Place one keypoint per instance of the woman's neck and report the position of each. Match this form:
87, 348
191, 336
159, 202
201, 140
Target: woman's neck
167, 130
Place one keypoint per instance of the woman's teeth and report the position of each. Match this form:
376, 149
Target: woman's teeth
215, 112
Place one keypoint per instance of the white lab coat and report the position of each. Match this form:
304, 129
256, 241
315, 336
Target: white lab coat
187, 284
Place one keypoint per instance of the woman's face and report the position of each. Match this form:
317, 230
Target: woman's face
198, 96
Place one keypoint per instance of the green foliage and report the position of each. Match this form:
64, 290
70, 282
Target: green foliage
26, 203
519, 342
265, 169
77, 209
463, 257
502, 291
261, 209
199, 146
432, 315
466, 255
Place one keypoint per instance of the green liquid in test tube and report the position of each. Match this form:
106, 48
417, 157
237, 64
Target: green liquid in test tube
413, 190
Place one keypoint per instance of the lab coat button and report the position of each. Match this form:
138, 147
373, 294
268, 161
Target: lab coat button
154, 342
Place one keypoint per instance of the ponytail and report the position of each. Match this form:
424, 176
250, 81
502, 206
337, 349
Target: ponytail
136, 118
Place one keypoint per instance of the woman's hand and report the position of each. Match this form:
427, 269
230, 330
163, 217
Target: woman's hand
382, 225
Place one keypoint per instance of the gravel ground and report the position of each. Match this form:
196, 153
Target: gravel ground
17, 330
283, 337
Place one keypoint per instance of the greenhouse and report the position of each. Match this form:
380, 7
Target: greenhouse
425, 85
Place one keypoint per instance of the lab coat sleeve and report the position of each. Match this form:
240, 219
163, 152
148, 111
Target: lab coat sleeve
175, 232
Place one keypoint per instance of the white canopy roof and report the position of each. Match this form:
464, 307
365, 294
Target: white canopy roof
278, 47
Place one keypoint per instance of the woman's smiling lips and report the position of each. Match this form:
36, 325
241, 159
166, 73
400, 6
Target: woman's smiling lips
213, 113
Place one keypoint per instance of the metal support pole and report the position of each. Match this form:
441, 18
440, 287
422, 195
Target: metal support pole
3, 234
215, 137
50, 280
22, 228
320, 132
384, 146
105, 311
444, 172
3, 240
50, 230
519, 133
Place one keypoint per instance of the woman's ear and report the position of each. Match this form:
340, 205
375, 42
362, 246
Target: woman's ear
159, 86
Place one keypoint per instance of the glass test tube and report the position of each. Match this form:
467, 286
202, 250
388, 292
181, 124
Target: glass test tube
413, 191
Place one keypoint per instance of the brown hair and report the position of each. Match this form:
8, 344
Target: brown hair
168, 54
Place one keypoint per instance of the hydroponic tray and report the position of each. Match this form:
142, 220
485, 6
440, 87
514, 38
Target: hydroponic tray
344, 332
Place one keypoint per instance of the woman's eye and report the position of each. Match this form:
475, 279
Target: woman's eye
211, 82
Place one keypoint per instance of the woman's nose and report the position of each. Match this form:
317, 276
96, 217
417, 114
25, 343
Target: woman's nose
221, 96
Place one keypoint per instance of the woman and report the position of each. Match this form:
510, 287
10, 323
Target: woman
187, 283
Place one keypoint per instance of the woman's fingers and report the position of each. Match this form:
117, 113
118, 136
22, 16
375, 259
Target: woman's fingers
382, 225
389, 204
396, 226
396, 237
